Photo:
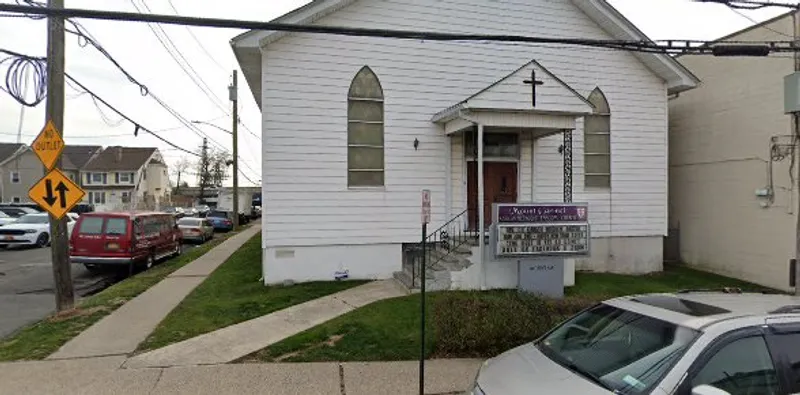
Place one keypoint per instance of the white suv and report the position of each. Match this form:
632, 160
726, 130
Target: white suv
687, 343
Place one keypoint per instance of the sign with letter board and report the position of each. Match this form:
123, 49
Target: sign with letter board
541, 229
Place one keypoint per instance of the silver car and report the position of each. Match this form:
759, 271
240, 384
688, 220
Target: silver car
686, 343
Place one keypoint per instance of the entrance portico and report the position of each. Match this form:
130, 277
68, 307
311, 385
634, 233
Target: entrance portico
493, 124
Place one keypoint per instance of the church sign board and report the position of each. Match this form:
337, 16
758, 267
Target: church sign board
546, 229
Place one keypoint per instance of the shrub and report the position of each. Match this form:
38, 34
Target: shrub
474, 324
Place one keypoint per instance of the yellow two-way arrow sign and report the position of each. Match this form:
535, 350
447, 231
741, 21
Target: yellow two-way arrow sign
56, 193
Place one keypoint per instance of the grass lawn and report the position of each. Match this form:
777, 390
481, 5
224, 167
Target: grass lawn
468, 324
45, 337
233, 294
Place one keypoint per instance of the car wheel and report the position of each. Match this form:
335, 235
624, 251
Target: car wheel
42, 240
178, 250
150, 261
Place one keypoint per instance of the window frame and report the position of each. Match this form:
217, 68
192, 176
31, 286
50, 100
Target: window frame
125, 174
99, 175
606, 115
722, 341
93, 195
18, 178
382, 123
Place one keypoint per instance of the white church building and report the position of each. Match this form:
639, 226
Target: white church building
354, 128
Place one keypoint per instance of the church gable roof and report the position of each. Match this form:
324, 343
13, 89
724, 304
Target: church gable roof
514, 92
246, 46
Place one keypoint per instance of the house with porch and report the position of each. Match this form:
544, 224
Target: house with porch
354, 128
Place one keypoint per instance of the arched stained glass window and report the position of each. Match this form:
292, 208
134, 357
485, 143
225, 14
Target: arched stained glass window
365, 163
597, 142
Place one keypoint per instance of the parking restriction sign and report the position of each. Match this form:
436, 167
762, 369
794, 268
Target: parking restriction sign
426, 206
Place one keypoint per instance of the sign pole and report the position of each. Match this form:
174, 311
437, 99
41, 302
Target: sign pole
422, 312
425, 219
62, 273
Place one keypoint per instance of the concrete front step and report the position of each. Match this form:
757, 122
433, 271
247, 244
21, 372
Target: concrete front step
435, 281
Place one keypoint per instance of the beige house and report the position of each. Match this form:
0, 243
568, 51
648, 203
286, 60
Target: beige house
119, 177
732, 205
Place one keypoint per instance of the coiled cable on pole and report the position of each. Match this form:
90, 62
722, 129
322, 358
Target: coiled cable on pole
25, 78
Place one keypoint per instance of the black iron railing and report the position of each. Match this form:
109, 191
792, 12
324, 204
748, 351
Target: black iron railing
442, 242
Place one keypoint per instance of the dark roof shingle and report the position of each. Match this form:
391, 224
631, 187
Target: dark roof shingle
8, 149
77, 155
120, 158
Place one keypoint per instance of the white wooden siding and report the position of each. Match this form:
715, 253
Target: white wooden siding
305, 82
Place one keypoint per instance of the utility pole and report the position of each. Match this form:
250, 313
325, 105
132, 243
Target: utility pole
62, 272
233, 93
795, 142
203, 171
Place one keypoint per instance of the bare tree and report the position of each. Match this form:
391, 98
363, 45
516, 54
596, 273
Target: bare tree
181, 166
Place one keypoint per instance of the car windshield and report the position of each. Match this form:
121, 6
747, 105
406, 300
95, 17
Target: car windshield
620, 350
33, 219
188, 222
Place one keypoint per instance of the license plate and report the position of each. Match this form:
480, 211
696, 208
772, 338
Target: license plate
113, 246
9, 238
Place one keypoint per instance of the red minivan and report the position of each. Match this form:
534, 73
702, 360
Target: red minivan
124, 238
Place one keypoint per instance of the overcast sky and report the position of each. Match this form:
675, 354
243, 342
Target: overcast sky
138, 50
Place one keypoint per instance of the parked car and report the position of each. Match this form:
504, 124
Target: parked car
191, 212
175, 211
16, 212
687, 343
30, 230
222, 221
196, 229
32, 206
6, 219
82, 208
124, 239
257, 211
203, 209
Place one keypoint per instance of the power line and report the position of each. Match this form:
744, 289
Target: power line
42, 61
136, 124
83, 34
176, 53
751, 4
196, 40
751, 19
663, 46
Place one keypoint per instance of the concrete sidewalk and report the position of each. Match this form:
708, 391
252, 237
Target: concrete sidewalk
103, 376
236, 341
120, 332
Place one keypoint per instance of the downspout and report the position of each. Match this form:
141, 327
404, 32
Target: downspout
448, 168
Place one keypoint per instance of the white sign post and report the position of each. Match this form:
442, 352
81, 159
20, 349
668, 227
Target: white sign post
426, 206
425, 219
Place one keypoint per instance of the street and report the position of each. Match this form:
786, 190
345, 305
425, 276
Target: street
26, 286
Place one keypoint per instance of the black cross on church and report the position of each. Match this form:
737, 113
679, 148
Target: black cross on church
534, 83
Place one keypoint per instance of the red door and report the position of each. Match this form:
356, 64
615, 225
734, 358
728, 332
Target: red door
500, 186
